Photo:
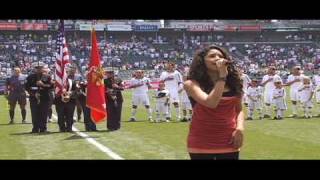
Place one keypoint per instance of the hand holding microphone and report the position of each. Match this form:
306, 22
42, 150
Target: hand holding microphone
222, 65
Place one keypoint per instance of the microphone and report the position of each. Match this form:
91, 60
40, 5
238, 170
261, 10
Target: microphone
226, 61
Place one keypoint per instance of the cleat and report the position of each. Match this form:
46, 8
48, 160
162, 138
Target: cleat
293, 116
266, 116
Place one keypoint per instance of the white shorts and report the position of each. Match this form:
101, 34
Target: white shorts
294, 95
140, 99
174, 95
280, 104
307, 104
267, 97
245, 98
161, 108
254, 104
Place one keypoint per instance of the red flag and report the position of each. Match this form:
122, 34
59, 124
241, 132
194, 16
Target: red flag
95, 89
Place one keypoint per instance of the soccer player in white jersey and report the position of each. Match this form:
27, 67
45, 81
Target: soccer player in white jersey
306, 91
185, 103
173, 82
294, 81
162, 103
268, 84
140, 85
245, 84
278, 97
254, 93
316, 82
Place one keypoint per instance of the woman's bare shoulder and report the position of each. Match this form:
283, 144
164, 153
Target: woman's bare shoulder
190, 83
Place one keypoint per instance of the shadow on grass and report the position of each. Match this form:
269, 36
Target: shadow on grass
76, 137
103, 131
33, 134
140, 121
20, 123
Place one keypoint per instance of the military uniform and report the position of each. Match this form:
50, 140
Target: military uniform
51, 102
114, 101
65, 110
78, 79
39, 100
82, 97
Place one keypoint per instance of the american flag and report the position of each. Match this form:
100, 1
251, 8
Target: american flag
62, 60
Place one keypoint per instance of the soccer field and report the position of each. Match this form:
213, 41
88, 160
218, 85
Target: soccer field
264, 139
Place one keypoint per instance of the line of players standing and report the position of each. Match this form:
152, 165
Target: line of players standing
271, 92
170, 93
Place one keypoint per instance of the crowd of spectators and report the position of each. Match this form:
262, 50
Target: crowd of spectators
151, 52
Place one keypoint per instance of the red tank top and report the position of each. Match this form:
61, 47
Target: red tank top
211, 129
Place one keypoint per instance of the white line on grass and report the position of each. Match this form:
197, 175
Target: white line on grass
103, 148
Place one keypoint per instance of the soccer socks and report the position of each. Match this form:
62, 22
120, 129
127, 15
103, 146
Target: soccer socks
305, 111
184, 113
268, 110
133, 112
308, 112
178, 113
250, 113
149, 112
190, 114
279, 113
169, 112
260, 113
294, 109
157, 115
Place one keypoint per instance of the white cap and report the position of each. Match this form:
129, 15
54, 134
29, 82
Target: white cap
38, 64
277, 80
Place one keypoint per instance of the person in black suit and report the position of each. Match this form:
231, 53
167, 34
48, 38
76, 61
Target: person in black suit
39, 85
65, 106
114, 99
82, 97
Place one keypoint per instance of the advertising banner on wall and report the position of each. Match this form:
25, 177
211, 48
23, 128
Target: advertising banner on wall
120, 27
8, 26
250, 28
146, 28
33, 26
88, 27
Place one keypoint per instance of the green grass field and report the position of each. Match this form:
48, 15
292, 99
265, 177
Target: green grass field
266, 139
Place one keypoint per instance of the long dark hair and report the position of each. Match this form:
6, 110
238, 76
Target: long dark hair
199, 72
